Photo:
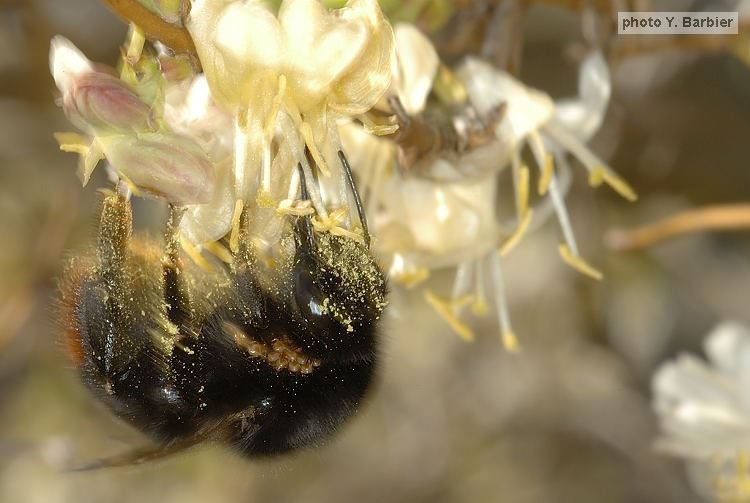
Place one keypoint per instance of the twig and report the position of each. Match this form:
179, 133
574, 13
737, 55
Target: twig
711, 218
174, 36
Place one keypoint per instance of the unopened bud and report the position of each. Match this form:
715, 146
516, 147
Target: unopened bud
93, 100
163, 165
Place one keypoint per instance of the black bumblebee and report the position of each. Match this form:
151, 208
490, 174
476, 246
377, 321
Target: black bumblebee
266, 356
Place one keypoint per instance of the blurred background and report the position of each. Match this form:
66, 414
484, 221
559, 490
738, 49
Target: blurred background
566, 420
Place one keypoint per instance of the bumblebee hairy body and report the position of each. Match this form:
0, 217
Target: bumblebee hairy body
267, 356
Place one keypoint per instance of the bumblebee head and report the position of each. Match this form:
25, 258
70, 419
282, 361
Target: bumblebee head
338, 293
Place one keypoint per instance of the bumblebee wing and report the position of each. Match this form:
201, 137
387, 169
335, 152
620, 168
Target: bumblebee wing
136, 456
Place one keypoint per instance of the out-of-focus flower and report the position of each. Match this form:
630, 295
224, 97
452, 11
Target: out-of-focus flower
414, 67
704, 409
121, 127
442, 210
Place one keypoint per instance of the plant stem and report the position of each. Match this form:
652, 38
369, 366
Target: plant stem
725, 217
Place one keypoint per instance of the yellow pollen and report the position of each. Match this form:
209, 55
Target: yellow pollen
296, 208
577, 263
73, 142
264, 199
523, 190
479, 306
376, 129
332, 224
737, 486
601, 174
518, 234
510, 342
307, 134
220, 251
448, 311
411, 277
195, 255
234, 237
596, 176
547, 170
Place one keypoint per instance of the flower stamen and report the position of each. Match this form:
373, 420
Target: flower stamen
578, 263
449, 310
234, 236
510, 341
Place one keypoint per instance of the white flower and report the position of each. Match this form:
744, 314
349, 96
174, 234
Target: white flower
704, 407
414, 67
289, 78
443, 213
704, 410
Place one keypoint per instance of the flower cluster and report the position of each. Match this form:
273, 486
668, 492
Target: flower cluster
440, 210
302, 86
269, 96
122, 126
704, 410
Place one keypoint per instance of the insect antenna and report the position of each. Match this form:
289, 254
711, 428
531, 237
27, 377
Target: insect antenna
304, 224
355, 194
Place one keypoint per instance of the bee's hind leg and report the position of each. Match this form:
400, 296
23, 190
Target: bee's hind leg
176, 295
115, 317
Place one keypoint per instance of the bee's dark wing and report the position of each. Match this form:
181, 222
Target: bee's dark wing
155, 452
136, 456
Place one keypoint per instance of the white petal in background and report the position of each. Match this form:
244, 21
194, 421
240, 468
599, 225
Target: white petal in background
583, 115
415, 66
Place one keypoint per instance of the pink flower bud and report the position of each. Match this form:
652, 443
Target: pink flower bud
102, 102
164, 165
94, 100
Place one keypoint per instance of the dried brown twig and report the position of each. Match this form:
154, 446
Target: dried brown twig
711, 218
174, 36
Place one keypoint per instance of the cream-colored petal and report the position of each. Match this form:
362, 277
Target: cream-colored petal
726, 346
250, 35
66, 62
583, 115
365, 82
416, 64
225, 78
205, 223
321, 47
526, 109
303, 21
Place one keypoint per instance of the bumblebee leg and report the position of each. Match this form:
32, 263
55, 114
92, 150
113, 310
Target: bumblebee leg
118, 315
115, 233
176, 293
253, 306
105, 309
